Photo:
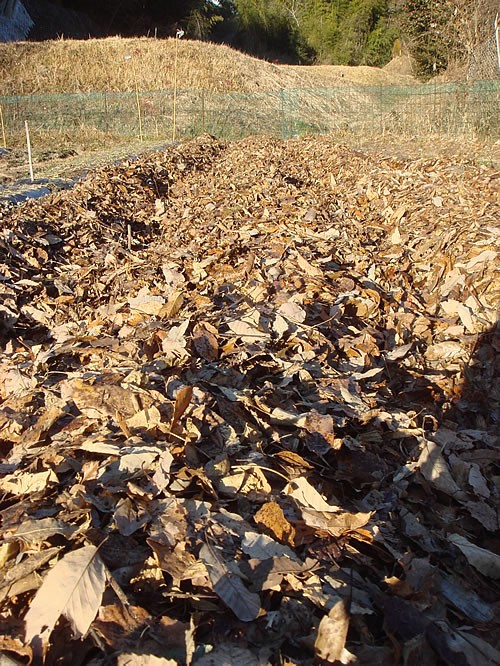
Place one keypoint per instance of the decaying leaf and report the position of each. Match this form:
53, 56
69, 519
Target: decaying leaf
264, 376
182, 400
271, 517
146, 303
230, 588
74, 589
483, 560
433, 467
205, 341
332, 634
336, 524
37, 531
23, 484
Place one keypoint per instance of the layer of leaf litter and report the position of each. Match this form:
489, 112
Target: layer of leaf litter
261, 378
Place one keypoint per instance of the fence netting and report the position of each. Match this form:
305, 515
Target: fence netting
485, 60
453, 108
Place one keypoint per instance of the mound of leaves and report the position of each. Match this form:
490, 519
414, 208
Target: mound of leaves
250, 405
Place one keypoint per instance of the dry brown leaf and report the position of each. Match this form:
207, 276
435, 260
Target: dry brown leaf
307, 267
129, 518
332, 634
271, 517
229, 587
73, 588
172, 306
336, 524
182, 401
101, 399
433, 467
205, 341
25, 483
483, 560
35, 434
147, 303
250, 482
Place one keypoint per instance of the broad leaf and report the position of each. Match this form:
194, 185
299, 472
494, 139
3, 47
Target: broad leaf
74, 589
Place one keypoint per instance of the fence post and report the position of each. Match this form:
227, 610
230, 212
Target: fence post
180, 33
106, 113
3, 128
28, 143
497, 38
283, 118
203, 111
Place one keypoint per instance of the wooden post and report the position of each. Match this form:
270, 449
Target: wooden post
178, 35
174, 110
28, 143
138, 102
3, 128
203, 111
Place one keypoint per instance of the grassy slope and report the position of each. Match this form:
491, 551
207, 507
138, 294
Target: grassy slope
98, 65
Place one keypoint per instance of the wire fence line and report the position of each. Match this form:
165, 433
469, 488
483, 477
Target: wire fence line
484, 60
452, 109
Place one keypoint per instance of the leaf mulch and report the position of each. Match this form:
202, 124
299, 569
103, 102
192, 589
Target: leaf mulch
250, 401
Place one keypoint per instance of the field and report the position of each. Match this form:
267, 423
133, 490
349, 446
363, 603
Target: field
249, 405
117, 65
87, 100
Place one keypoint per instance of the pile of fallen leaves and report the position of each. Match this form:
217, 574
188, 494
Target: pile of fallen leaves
250, 394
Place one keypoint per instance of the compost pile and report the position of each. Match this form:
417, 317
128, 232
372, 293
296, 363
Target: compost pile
250, 405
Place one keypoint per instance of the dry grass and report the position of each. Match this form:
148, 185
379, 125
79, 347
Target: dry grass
326, 75
100, 65
333, 99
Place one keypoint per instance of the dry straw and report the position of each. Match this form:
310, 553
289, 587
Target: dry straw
65, 66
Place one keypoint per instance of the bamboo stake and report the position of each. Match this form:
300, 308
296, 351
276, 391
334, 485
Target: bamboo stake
203, 111
179, 34
137, 99
3, 128
139, 115
174, 110
28, 143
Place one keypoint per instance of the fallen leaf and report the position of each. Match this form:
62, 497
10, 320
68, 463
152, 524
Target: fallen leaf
483, 560
182, 400
205, 341
244, 604
23, 484
73, 588
332, 634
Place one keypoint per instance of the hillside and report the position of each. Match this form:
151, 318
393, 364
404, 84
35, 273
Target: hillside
102, 65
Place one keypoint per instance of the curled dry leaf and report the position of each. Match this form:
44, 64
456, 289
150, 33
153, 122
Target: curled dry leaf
182, 400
